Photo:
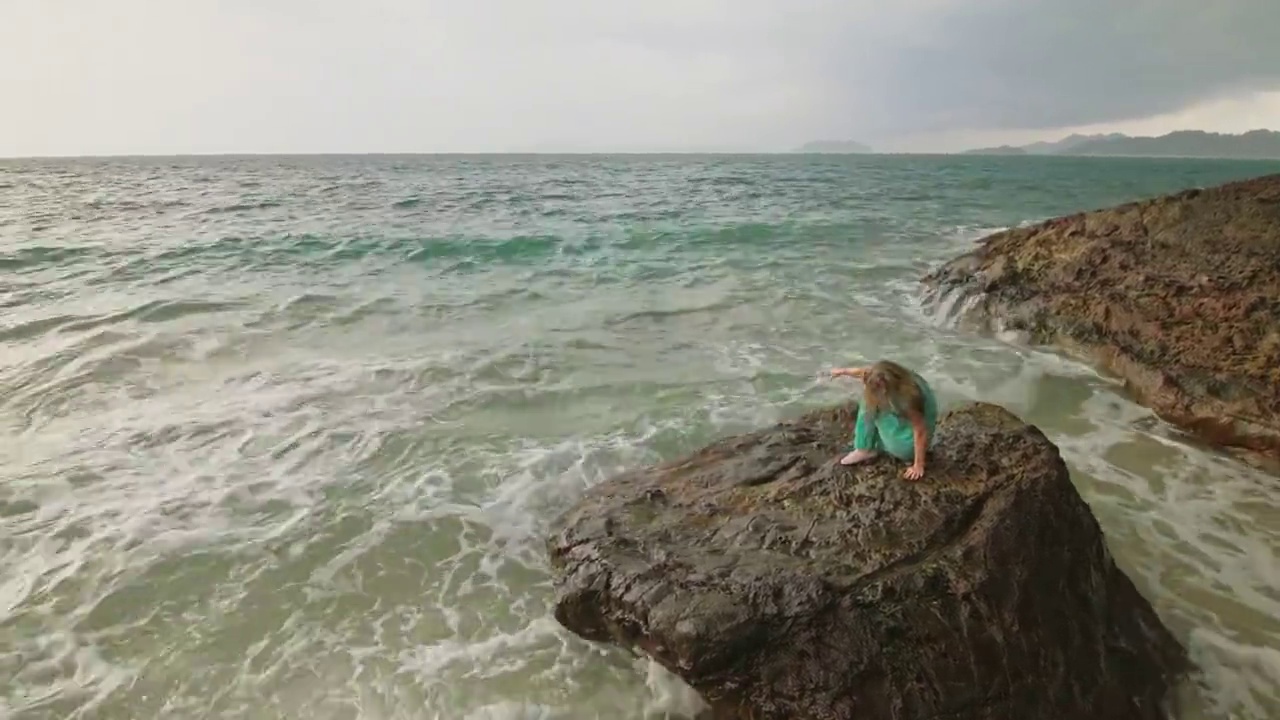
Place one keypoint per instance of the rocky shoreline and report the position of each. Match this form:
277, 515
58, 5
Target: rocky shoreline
1177, 295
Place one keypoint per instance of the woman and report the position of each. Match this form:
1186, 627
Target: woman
897, 415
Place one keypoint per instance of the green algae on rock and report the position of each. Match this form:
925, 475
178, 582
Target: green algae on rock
780, 584
1177, 295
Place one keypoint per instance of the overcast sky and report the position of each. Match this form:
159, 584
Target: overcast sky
177, 76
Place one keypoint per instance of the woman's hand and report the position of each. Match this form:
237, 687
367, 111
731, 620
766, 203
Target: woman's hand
915, 472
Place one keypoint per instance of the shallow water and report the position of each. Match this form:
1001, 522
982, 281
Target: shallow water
284, 433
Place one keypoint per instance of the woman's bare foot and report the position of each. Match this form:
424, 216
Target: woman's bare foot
858, 456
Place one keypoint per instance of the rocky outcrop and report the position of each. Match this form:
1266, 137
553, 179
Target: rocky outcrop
782, 585
1178, 295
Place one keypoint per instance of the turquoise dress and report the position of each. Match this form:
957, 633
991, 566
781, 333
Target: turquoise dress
891, 431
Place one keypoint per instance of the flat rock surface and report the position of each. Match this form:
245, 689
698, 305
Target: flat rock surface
780, 584
1178, 295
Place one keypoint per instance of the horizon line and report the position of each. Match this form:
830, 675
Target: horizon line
455, 153
600, 153
798, 150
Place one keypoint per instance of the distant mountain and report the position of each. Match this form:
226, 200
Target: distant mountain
1060, 147
1067, 144
1002, 150
834, 147
1255, 144
1188, 143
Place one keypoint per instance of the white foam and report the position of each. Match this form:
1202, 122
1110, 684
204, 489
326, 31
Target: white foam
1240, 680
668, 694
507, 710
967, 235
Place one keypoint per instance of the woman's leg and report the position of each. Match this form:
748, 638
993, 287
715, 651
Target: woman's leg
897, 436
866, 440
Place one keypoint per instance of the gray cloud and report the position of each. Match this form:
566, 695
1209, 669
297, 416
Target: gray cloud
1022, 64
82, 76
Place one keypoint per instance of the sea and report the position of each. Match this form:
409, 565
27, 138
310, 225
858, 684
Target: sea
283, 435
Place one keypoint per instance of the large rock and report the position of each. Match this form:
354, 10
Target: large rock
1178, 295
780, 584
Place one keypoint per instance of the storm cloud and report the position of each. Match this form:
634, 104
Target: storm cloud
1027, 64
141, 76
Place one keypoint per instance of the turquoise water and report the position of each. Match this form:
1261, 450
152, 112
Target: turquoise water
283, 433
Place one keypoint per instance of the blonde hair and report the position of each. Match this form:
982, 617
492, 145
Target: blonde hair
889, 385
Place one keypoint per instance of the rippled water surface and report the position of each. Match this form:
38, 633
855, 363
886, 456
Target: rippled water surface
282, 434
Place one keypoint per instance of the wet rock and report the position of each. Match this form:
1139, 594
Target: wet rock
780, 584
1178, 295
